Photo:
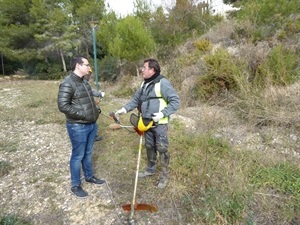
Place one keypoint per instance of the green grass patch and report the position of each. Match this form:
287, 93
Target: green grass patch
5, 167
222, 207
282, 178
9, 146
13, 220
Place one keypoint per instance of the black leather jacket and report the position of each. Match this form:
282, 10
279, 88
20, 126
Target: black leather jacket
75, 100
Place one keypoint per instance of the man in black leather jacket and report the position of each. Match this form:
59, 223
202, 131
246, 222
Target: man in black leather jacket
76, 101
99, 94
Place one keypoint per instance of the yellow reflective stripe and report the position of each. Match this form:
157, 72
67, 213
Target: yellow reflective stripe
162, 103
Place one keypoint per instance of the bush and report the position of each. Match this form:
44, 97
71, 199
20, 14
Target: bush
224, 73
280, 68
203, 45
108, 68
269, 15
47, 71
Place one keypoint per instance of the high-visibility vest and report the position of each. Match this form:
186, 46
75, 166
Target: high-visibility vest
162, 102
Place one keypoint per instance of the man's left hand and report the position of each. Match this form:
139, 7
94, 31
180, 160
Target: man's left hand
157, 116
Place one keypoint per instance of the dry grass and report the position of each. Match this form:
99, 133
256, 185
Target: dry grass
275, 105
213, 156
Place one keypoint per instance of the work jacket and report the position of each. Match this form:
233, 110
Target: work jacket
76, 101
154, 97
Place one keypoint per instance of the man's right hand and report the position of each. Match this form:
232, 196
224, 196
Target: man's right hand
121, 111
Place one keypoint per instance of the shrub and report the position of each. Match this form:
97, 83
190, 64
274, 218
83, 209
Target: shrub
124, 91
224, 73
203, 45
280, 68
47, 71
108, 68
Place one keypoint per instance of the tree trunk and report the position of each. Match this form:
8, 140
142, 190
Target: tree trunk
2, 64
63, 60
87, 51
137, 70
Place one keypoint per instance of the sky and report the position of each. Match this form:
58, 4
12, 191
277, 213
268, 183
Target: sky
125, 7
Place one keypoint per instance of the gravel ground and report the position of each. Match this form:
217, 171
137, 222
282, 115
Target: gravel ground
40, 183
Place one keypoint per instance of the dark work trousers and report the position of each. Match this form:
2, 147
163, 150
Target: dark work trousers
156, 142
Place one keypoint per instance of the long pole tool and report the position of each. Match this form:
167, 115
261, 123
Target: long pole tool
137, 206
133, 206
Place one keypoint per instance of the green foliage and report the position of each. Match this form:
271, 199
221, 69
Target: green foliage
15, 33
142, 10
47, 71
10, 14
9, 146
85, 12
280, 68
282, 178
132, 41
5, 167
107, 31
223, 73
108, 68
124, 92
268, 14
224, 206
13, 220
203, 45
210, 151
177, 26
215, 194
53, 30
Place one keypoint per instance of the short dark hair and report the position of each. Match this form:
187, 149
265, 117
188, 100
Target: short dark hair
75, 60
153, 64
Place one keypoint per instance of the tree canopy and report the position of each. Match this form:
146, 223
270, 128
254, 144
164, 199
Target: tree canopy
40, 36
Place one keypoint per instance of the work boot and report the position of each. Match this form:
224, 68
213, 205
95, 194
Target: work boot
163, 181
146, 174
79, 192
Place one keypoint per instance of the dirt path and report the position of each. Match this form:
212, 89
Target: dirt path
40, 180
37, 187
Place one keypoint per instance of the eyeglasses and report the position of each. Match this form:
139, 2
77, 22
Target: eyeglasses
88, 65
146, 68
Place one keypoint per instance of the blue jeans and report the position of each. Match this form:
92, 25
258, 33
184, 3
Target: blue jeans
82, 139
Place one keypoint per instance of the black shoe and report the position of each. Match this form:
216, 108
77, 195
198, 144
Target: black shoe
79, 192
95, 180
98, 138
